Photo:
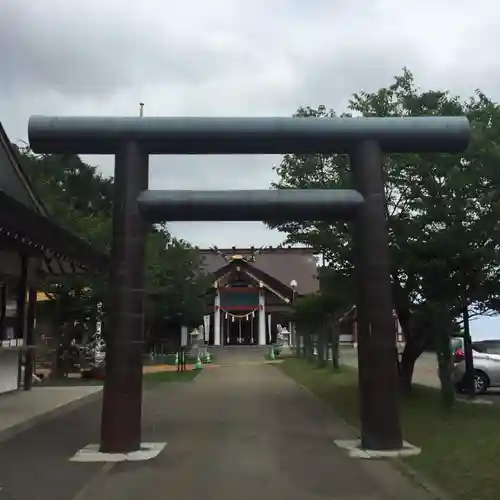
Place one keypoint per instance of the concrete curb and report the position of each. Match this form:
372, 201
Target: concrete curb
435, 492
63, 409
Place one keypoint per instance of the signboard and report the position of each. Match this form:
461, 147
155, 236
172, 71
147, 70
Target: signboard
240, 299
184, 336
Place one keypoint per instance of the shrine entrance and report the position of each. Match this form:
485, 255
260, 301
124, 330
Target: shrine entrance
239, 329
237, 310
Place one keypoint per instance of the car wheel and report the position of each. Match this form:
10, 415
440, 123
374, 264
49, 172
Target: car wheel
481, 382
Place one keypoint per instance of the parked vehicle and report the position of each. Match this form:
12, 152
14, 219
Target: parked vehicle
486, 360
457, 349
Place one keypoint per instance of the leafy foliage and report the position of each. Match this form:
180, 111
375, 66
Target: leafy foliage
443, 210
81, 200
309, 310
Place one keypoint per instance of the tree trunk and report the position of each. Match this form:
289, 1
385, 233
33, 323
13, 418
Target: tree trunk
414, 347
321, 347
445, 360
305, 346
310, 347
57, 365
470, 389
298, 341
335, 337
55, 356
416, 337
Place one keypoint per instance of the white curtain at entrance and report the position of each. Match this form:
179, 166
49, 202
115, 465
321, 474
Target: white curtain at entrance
269, 328
223, 328
240, 338
252, 329
217, 318
262, 319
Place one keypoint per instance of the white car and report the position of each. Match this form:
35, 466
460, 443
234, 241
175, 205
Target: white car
486, 361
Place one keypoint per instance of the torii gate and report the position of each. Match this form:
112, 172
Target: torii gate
365, 140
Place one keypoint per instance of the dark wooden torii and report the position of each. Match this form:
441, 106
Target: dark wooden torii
365, 140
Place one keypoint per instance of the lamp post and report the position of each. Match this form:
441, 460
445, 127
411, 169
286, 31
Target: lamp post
293, 337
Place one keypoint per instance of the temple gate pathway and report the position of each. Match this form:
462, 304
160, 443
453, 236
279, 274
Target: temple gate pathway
239, 431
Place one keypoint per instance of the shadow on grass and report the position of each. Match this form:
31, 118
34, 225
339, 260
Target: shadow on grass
170, 376
148, 379
460, 451
169, 359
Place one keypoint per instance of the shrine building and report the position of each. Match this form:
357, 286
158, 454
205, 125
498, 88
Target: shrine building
254, 290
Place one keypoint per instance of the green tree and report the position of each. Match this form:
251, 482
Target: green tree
81, 200
437, 204
317, 316
176, 284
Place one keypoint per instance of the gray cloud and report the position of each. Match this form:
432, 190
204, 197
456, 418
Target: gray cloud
80, 48
230, 57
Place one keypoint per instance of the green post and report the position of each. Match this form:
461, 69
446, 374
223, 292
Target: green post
199, 365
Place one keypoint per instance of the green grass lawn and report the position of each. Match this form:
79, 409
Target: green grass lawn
169, 359
460, 452
148, 379
160, 377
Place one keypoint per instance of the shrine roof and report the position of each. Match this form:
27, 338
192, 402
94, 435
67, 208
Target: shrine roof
285, 265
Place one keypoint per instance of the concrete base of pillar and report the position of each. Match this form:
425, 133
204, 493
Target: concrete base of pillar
91, 453
355, 450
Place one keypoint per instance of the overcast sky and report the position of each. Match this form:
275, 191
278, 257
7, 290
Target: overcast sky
232, 58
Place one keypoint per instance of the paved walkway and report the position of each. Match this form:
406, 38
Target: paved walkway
243, 431
21, 410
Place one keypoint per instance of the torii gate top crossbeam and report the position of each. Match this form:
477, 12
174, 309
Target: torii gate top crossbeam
158, 135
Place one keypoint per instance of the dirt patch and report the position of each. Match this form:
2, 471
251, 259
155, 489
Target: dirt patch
172, 368
163, 368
